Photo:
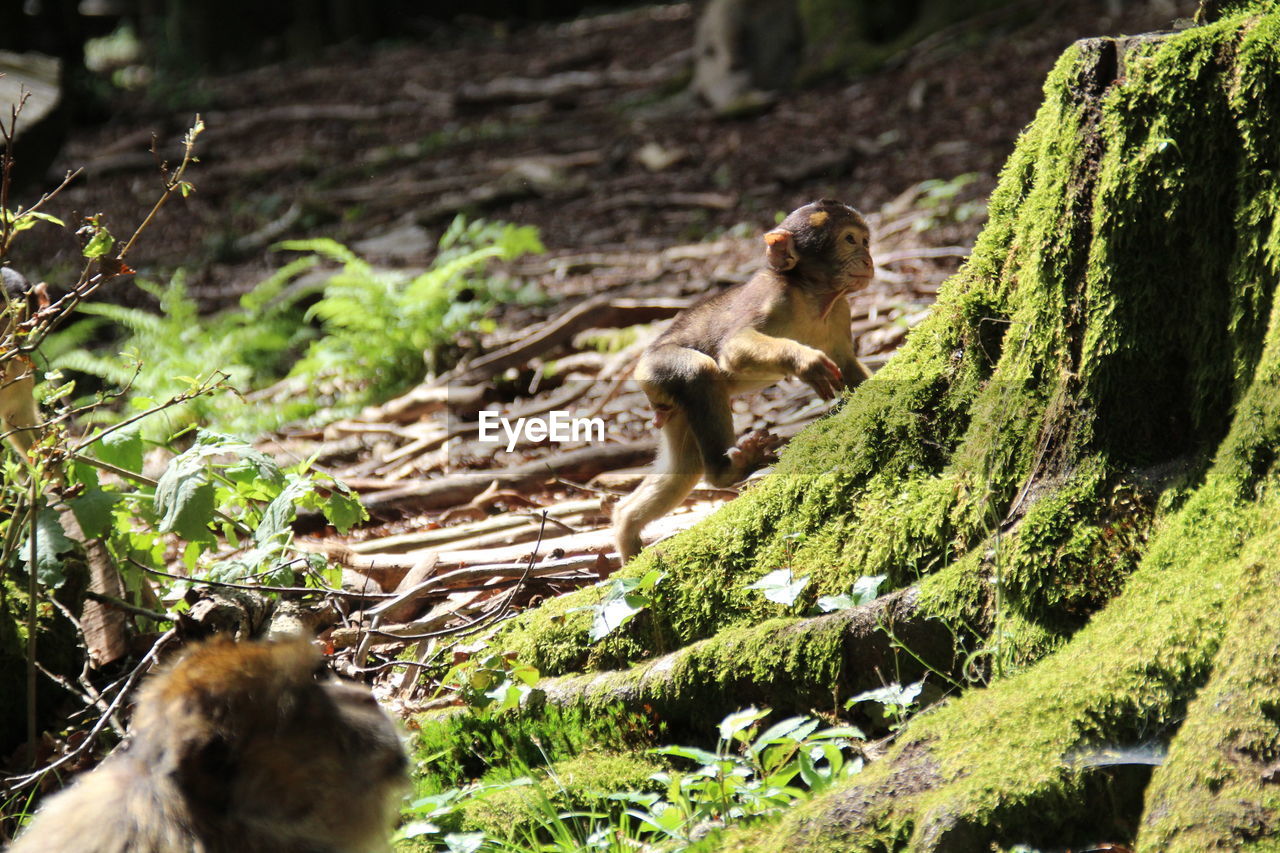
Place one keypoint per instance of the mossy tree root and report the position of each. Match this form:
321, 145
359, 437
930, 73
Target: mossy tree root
794, 666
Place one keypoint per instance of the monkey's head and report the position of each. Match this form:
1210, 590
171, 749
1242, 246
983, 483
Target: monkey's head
257, 745
826, 242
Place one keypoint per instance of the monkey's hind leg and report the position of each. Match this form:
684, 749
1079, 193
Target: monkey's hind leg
675, 473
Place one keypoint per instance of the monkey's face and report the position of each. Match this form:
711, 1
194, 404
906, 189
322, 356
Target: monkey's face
852, 252
827, 243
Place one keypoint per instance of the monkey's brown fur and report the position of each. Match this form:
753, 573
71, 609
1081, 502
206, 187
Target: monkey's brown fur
237, 749
789, 319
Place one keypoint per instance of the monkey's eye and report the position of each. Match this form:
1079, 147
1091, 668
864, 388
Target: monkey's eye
850, 239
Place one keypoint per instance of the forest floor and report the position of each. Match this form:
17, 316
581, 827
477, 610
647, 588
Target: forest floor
644, 199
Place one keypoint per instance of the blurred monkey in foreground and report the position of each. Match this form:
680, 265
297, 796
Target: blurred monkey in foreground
789, 319
237, 749
18, 412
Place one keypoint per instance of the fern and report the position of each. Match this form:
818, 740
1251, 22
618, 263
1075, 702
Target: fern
378, 331
141, 323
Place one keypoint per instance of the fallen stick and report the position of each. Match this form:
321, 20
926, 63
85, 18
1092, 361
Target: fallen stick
578, 465
598, 313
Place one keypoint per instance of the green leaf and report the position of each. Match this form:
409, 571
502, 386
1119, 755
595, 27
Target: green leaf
185, 500
701, 756
99, 245
613, 613
464, 842
51, 543
122, 449
280, 513
93, 510
344, 511
830, 603
790, 730
867, 587
740, 720
779, 586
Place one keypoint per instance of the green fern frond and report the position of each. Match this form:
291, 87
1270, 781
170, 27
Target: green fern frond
134, 319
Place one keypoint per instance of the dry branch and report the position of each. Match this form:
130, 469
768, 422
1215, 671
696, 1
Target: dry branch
599, 313
576, 465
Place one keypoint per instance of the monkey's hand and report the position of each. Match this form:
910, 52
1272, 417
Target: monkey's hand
754, 450
822, 374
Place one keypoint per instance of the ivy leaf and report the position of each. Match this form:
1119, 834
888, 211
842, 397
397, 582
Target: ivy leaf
867, 587
780, 586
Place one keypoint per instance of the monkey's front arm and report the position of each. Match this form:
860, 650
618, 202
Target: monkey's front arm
751, 356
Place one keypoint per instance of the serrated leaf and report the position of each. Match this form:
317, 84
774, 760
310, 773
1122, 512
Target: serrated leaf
185, 501
344, 511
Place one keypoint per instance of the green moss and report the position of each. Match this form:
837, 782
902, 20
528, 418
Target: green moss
1215, 791
578, 784
455, 748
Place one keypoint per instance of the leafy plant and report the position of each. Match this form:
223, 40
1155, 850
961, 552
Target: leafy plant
780, 586
370, 334
864, 591
750, 774
898, 701
491, 683
623, 598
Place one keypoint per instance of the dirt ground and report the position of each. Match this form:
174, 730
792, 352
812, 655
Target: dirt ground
550, 126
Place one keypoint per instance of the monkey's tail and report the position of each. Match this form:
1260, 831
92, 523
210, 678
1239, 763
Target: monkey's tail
672, 479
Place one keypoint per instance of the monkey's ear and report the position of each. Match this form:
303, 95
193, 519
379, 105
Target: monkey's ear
780, 250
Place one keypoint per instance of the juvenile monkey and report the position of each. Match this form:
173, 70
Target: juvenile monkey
237, 749
789, 319
18, 412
